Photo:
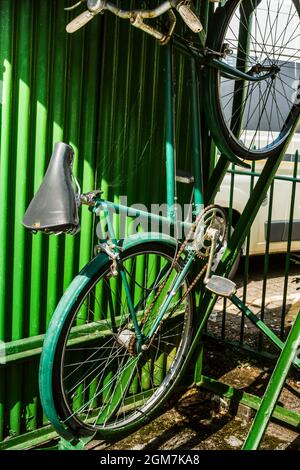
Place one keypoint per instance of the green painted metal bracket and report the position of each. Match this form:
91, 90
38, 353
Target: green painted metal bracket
21, 350
30, 440
80, 444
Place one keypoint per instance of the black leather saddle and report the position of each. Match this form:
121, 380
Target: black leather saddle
54, 208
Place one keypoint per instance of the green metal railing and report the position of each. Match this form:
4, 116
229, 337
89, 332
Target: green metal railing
284, 266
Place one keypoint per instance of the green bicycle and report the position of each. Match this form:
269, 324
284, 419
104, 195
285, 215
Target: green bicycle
123, 332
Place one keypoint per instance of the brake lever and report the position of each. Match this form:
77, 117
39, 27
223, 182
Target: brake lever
72, 7
80, 21
94, 8
189, 17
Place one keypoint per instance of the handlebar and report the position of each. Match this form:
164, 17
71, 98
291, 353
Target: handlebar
137, 17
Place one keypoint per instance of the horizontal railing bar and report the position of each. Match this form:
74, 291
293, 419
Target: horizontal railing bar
233, 343
252, 401
27, 348
30, 439
253, 173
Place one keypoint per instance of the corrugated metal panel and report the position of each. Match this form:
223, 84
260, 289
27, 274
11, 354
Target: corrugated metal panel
101, 91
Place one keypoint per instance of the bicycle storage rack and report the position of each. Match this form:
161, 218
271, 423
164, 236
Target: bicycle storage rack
206, 184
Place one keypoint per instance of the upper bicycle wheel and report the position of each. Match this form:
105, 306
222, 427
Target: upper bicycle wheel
253, 119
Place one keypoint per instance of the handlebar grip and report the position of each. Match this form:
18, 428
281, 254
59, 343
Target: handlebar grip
80, 21
189, 17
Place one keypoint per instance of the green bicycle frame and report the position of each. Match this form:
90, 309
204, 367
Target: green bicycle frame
170, 150
141, 339
170, 184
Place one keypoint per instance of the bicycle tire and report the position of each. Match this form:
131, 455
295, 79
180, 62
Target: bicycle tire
78, 422
270, 108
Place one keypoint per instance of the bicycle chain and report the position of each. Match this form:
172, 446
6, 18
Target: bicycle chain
189, 289
176, 261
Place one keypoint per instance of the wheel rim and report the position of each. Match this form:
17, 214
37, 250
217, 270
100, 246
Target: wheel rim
91, 374
258, 116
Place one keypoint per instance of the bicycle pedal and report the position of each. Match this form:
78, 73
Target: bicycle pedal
221, 286
184, 177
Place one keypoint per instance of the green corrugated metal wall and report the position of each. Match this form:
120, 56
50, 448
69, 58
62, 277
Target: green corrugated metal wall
101, 90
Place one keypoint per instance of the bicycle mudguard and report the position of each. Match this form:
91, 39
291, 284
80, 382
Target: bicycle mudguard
146, 237
54, 209
51, 339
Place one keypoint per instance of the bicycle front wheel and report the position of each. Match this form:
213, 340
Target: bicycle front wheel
100, 382
253, 119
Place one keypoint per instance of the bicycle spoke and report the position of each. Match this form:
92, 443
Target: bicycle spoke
273, 41
105, 381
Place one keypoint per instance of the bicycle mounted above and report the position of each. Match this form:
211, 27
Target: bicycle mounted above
251, 101
137, 17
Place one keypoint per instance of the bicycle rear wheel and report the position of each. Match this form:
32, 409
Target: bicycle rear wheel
253, 119
99, 381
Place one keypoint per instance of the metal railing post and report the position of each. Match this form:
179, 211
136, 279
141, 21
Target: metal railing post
263, 415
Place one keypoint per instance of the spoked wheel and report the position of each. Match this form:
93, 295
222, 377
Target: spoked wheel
253, 119
100, 380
